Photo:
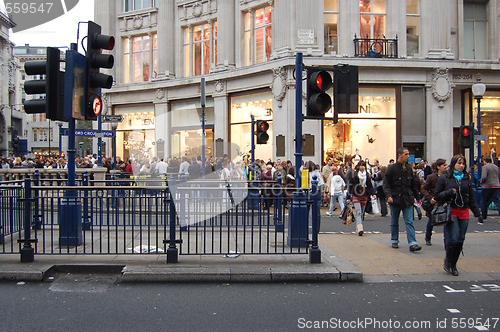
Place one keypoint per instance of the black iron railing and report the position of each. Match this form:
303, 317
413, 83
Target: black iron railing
375, 48
152, 216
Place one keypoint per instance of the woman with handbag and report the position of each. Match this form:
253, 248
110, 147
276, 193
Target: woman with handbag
429, 191
455, 187
360, 190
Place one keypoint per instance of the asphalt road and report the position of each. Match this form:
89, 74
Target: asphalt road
96, 303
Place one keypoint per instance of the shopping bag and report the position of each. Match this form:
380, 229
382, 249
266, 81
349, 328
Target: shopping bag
374, 203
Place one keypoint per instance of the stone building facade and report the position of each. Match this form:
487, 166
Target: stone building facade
417, 61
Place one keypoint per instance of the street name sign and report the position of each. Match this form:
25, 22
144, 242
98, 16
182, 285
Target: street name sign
112, 118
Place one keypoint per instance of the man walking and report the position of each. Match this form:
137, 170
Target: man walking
401, 188
491, 186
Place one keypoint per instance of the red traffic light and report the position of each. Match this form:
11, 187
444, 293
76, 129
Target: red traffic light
264, 125
320, 81
465, 131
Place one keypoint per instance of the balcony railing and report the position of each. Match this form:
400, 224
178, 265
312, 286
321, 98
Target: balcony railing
375, 48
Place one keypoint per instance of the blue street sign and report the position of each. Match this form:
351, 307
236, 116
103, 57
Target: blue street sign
92, 133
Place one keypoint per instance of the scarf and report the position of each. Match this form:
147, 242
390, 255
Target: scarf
362, 178
458, 175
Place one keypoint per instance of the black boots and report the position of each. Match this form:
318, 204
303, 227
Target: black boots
452, 254
447, 259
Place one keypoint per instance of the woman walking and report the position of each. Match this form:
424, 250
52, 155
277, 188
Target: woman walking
360, 190
337, 187
455, 187
429, 191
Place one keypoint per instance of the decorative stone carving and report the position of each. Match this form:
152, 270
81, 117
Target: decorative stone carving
138, 22
160, 94
143, 19
220, 86
278, 85
197, 9
441, 86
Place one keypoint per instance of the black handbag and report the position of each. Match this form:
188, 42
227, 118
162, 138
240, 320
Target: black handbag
441, 215
426, 205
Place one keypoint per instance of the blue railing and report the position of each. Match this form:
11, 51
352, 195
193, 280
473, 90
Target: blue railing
151, 216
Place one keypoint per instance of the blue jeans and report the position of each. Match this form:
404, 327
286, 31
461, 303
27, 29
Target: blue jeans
408, 218
455, 231
428, 230
335, 197
489, 195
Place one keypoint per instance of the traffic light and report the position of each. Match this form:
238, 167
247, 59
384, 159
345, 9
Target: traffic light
262, 135
51, 86
346, 89
465, 137
94, 80
318, 101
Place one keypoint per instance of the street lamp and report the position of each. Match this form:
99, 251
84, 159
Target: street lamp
478, 89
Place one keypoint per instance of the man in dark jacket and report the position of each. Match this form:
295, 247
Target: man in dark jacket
491, 186
401, 188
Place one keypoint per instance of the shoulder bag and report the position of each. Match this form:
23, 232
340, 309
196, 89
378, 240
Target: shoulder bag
427, 205
441, 214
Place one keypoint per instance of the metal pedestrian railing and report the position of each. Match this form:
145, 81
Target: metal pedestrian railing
160, 216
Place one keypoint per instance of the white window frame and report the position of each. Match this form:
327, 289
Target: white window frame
419, 26
249, 41
131, 5
326, 36
189, 46
373, 14
129, 58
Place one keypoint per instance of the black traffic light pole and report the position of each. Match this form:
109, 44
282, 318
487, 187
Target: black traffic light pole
297, 228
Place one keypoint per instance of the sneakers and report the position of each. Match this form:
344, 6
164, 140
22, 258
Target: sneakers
395, 245
428, 242
415, 247
328, 213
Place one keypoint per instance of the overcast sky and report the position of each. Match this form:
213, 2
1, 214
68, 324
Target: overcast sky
59, 32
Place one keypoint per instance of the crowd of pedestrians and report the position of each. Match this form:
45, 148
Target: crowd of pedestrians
397, 187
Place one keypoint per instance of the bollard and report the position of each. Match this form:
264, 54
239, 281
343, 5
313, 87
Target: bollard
314, 251
37, 223
172, 251
297, 220
27, 251
86, 217
279, 226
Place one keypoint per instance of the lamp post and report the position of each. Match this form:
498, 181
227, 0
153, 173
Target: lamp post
478, 89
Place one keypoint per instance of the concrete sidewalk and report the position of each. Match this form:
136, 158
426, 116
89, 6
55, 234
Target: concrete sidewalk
373, 255
345, 257
192, 268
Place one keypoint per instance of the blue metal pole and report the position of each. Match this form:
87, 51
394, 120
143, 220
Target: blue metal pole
27, 251
479, 159
314, 251
60, 139
99, 141
203, 103
254, 190
298, 118
298, 218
